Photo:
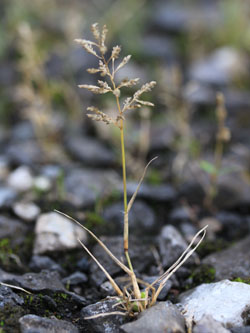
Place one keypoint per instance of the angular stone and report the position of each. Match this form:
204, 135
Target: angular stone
31, 323
224, 301
231, 263
55, 232
162, 317
106, 324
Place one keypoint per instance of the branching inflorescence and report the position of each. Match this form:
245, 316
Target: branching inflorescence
136, 300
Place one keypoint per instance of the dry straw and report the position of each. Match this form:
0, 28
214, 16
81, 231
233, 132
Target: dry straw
135, 301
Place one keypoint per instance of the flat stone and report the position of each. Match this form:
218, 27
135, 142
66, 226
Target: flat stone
156, 193
142, 218
34, 324
25, 152
84, 186
90, 151
55, 232
224, 301
162, 317
27, 211
39, 263
75, 279
231, 263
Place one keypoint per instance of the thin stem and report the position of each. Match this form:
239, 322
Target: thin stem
124, 177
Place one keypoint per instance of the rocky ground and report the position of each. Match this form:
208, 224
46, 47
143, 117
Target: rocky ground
75, 168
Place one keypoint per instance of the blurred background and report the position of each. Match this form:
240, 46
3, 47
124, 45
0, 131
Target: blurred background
193, 49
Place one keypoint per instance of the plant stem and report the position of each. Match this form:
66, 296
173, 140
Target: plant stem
124, 177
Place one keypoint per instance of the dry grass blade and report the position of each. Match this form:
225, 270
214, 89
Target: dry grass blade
114, 285
131, 201
15, 287
106, 314
185, 255
117, 261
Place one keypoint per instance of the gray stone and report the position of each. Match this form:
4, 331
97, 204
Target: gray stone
55, 232
142, 219
231, 263
36, 282
220, 68
90, 151
224, 301
162, 317
21, 179
7, 196
209, 325
11, 227
158, 193
25, 152
243, 329
84, 186
75, 279
171, 245
7, 296
38, 263
27, 211
34, 324
106, 324
166, 47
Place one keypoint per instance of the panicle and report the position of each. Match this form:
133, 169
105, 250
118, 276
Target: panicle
115, 52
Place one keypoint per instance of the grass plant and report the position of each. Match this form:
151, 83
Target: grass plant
137, 300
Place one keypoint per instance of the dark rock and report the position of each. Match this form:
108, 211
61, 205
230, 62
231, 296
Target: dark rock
209, 325
162, 137
25, 152
231, 263
180, 214
7, 296
233, 225
84, 186
34, 324
36, 282
139, 251
142, 219
10, 227
193, 192
157, 193
90, 151
243, 329
171, 245
83, 264
106, 324
7, 196
39, 263
75, 279
162, 317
